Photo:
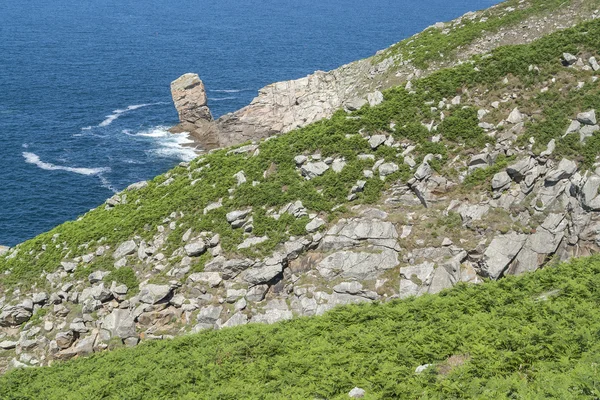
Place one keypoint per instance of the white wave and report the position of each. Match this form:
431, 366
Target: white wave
117, 113
170, 145
86, 128
221, 98
32, 158
25, 145
106, 183
229, 90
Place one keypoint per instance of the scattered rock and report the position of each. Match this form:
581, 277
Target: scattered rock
152, 294
313, 169
357, 393
587, 118
125, 249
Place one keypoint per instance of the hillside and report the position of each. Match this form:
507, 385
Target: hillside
530, 337
472, 172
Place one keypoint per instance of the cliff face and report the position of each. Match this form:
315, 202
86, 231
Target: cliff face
476, 172
284, 106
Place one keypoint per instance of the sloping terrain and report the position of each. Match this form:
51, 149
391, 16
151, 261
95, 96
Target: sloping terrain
529, 337
472, 173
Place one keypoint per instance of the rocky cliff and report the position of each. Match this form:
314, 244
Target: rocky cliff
465, 174
284, 106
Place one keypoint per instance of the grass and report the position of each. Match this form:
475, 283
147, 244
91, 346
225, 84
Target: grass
529, 337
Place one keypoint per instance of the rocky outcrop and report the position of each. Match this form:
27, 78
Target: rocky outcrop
284, 106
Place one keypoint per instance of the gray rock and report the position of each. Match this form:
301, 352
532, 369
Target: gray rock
237, 215
424, 171
301, 159
587, 118
152, 294
589, 193
357, 393
240, 178
125, 249
97, 276
350, 233
587, 131
64, 339
275, 311
257, 293
375, 98
252, 241
480, 160
228, 268
212, 278
14, 316
313, 169
236, 319
137, 185
501, 180
263, 274
569, 59
120, 324
518, 170
40, 298
377, 140
357, 265
501, 251
189, 96
212, 206
594, 64
8, 344
355, 104
338, 165
78, 326
549, 149
209, 315
386, 169
68, 266
515, 116
564, 170
82, 347
195, 248
314, 225
574, 126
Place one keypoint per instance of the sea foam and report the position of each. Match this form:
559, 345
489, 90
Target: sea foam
170, 145
117, 113
34, 159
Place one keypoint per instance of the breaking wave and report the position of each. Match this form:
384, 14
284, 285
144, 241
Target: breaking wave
168, 145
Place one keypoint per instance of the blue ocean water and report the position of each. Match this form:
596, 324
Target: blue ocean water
84, 86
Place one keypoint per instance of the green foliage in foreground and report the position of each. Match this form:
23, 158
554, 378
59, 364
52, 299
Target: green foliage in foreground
530, 337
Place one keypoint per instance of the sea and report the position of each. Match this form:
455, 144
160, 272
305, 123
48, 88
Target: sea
85, 101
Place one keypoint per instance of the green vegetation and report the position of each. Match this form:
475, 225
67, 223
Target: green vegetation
435, 45
529, 337
123, 276
210, 177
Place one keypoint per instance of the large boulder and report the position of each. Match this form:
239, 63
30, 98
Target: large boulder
125, 249
362, 265
14, 315
152, 294
190, 98
119, 323
499, 254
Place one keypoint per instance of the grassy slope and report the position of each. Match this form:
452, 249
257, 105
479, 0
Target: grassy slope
147, 208
534, 336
